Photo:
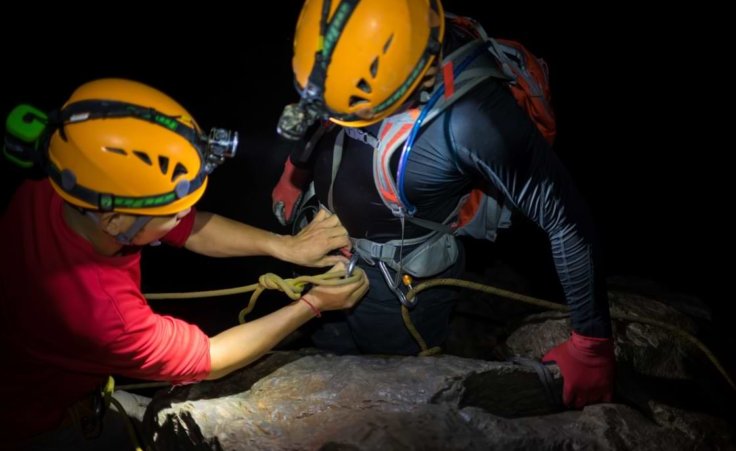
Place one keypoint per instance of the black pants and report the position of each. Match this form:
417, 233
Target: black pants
375, 325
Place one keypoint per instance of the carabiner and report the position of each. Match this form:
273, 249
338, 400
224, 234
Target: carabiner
394, 286
351, 265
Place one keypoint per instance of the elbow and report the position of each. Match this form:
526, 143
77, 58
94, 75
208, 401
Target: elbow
218, 373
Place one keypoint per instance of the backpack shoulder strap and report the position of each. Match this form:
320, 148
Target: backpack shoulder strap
395, 129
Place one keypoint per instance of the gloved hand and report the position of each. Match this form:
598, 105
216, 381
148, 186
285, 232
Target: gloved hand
288, 191
587, 365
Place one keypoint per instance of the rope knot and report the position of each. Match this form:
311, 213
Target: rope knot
270, 281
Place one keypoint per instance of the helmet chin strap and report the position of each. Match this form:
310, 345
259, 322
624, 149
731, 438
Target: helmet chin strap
126, 238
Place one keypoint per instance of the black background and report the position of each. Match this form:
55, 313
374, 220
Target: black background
634, 95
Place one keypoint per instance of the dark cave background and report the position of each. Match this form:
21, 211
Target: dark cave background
637, 128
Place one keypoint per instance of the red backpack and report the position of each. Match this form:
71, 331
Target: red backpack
528, 75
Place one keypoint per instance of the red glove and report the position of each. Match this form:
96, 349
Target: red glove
288, 191
587, 365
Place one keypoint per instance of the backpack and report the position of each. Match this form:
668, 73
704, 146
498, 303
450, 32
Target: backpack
478, 214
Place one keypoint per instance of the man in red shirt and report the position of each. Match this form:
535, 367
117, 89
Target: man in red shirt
125, 166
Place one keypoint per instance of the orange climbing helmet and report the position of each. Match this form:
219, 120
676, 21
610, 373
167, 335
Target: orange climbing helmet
124, 146
359, 60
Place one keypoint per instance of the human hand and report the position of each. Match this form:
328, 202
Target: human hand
324, 297
312, 245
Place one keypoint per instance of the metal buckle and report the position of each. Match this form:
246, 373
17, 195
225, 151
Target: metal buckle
394, 286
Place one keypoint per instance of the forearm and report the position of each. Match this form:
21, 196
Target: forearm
581, 278
241, 345
217, 236
533, 180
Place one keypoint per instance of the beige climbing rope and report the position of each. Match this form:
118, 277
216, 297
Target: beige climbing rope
294, 287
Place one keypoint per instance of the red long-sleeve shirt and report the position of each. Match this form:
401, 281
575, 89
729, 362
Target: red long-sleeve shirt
70, 316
